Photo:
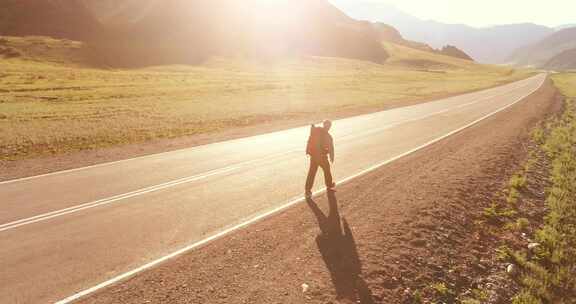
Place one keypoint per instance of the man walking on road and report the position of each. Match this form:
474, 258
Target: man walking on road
320, 146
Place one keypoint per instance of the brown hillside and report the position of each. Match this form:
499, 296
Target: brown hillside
390, 34
180, 30
149, 32
453, 51
563, 61
56, 18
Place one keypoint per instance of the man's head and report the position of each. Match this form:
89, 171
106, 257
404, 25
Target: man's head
327, 124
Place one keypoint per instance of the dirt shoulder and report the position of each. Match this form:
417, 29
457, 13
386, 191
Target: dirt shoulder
380, 239
42, 165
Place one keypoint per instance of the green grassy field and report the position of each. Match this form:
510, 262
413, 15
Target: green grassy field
52, 102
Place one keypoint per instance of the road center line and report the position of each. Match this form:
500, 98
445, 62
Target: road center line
109, 200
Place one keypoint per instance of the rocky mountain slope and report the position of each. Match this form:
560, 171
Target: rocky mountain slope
388, 33
450, 50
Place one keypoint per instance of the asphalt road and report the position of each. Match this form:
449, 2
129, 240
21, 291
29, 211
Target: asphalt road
64, 233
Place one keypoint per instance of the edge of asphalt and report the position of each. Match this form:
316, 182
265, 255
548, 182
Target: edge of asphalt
277, 210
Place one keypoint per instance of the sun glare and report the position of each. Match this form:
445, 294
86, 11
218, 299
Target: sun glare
275, 12
272, 3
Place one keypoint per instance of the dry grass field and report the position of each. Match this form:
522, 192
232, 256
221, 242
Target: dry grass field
51, 102
566, 82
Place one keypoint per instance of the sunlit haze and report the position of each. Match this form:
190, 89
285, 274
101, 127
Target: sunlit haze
287, 151
479, 13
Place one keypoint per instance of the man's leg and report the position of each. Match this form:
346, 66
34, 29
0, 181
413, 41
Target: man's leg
311, 175
325, 164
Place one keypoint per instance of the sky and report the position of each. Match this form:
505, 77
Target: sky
481, 13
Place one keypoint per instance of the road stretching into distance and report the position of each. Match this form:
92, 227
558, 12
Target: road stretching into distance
68, 232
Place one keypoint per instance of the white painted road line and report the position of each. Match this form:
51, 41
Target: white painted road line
116, 198
276, 210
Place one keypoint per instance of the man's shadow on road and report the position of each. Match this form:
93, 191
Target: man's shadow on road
338, 248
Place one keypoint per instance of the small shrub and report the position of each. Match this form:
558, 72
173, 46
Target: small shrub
480, 294
417, 297
495, 214
503, 253
525, 298
492, 211
441, 289
518, 181
538, 135
512, 197
522, 223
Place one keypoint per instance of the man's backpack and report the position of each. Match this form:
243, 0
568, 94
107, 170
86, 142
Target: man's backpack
316, 142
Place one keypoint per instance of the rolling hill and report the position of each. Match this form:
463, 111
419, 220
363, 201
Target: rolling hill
553, 50
390, 34
563, 61
149, 32
69, 19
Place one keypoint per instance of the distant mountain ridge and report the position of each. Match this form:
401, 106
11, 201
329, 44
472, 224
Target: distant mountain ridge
487, 45
563, 61
565, 26
550, 51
